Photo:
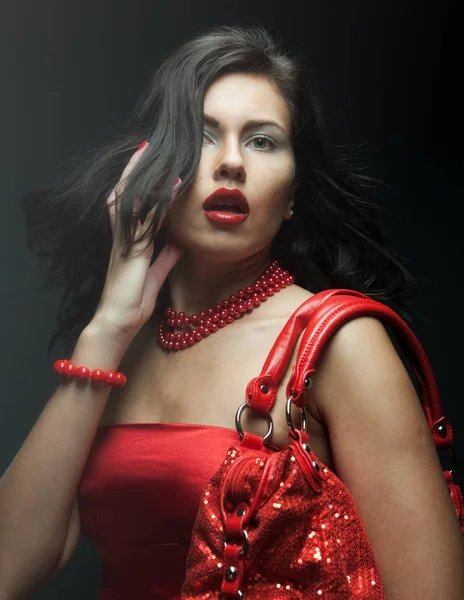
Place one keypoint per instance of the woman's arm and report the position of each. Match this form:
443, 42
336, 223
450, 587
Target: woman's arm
384, 453
39, 520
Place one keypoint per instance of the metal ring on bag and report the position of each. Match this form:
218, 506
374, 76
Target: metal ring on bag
453, 459
452, 456
288, 414
238, 425
245, 546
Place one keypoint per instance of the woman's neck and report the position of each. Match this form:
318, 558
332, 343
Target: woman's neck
196, 284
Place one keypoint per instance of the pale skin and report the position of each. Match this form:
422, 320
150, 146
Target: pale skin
219, 259
365, 421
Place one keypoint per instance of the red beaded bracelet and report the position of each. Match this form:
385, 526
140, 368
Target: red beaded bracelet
68, 370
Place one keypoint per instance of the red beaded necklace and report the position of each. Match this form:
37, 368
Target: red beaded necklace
206, 322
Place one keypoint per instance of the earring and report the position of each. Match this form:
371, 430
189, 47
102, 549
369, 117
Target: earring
291, 213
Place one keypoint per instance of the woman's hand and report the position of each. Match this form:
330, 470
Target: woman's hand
132, 286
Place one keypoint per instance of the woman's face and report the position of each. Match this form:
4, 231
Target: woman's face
256, 159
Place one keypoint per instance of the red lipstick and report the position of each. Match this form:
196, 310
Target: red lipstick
226, 207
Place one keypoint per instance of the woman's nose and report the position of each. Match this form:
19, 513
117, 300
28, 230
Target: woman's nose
231, 163
230, 171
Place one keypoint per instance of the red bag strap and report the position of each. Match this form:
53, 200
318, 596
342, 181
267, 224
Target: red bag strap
261, 391
320, 316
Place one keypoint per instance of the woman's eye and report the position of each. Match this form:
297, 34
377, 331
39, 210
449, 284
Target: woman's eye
205, 136
263, 143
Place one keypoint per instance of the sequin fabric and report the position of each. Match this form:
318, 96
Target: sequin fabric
306, 537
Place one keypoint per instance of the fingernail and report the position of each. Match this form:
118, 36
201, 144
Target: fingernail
142, 145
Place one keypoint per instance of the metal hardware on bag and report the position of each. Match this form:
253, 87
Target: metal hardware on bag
241, 512
288, 414
307, 447
231, 573
316, 465
239, 593
238, 425
308, 381
453, 459
264, 388
442, 430
245, 545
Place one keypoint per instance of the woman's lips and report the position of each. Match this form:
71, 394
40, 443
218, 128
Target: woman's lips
224, 196
226, 206
225, 217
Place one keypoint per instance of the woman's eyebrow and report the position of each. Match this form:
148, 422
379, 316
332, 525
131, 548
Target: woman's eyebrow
250, 124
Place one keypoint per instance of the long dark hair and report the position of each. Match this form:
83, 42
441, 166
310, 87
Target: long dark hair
333, 240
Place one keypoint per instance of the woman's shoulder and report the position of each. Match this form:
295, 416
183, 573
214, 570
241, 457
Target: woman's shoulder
287, 301
300, 294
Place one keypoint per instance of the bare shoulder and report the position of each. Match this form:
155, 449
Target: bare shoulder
299, 294
287, 301
360, 353
361, 346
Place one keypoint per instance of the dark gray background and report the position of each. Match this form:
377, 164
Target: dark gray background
387, 72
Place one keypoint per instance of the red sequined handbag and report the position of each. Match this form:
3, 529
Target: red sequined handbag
280, 524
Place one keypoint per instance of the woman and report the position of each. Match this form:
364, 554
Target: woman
234, 119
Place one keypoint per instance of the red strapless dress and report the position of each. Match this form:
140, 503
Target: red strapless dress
138, 499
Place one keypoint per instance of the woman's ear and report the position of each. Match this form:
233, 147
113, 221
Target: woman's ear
295, 186
291, 203
289, 212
